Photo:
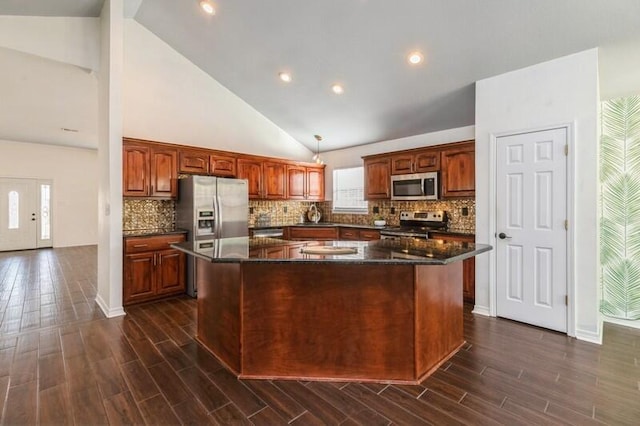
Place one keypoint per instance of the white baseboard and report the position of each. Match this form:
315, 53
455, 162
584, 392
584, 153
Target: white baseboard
481, 310
589, 336
109, 312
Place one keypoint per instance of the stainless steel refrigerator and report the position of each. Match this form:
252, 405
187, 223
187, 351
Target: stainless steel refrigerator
209, 208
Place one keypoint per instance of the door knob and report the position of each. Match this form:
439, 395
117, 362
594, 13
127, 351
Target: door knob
503, 236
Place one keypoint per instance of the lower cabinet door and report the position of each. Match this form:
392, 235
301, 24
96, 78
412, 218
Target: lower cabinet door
170, 272
469, 280
138, 277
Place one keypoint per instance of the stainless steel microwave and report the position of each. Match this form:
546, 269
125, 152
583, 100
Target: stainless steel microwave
418, 186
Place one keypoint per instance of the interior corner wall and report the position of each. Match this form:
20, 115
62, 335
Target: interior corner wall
352, 157
169, 99
75, 184
561, 91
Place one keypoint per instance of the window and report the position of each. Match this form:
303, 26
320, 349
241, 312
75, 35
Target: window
348, 191
45, 218
14, 210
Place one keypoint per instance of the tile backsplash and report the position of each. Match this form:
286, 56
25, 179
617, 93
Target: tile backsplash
278, 212
148, 214
151, 214
458, 222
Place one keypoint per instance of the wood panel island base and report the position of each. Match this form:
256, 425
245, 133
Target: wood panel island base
365, 317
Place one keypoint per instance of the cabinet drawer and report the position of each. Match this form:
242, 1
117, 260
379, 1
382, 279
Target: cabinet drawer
369, 234
142, 244
349, 234
300, 233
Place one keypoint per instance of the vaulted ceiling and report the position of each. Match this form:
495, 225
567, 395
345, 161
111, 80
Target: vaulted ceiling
363, 45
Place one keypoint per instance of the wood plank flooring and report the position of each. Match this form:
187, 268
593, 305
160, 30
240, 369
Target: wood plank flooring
62, 362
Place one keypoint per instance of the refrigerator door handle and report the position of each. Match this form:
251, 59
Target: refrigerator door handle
218, 217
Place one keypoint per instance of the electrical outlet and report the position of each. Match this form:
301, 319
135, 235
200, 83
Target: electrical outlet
376, 209
284, 209
393, 210
464, 211
250, 210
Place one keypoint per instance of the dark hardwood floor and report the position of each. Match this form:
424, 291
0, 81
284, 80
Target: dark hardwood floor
62, 362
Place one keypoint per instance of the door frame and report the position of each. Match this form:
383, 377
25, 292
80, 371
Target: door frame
570, 200
40, 243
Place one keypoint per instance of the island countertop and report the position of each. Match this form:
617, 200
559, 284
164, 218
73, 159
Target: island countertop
391, 251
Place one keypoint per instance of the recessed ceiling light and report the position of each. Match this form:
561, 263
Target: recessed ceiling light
415, 58
207, 7
285, 76
337, 89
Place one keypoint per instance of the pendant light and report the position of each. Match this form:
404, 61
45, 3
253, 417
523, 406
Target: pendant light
316, 156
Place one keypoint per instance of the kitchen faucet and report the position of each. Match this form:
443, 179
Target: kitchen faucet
315, 217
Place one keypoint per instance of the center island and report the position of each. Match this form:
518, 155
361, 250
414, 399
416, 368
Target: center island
384, 311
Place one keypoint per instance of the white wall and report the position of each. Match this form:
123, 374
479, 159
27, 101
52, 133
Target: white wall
351, 157
75, 181
561, 91
110, 244
167, 98
74, 41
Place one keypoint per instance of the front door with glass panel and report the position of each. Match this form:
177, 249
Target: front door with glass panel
25, 214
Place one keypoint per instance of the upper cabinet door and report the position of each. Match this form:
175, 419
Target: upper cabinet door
164, 172
222, 165
297, 182
377, 178
135, 164
427, 161
416, 162
402, 164
252, 171
315, 184
459, 171
275, 181
194, 161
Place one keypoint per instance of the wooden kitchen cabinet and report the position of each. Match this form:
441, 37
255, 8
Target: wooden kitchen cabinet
203, 162
194, 161
377, 178
458, 170
468, 265
149, 170
136, 171
152, 269
416, 161
305, 183
311, 233
275, 181
252, 171
222, 165
164, 172
359, 234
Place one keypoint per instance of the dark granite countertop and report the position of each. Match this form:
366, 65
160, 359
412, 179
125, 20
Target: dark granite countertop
402, 251
343, 225
152, 232
315, 225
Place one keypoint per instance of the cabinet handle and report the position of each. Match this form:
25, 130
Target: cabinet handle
141, 245
159, 259
152, 189
154, 259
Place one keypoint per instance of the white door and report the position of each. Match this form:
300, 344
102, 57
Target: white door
18, 214
531, 213
25, 214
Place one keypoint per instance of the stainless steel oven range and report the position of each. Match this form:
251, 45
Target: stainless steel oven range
417, 225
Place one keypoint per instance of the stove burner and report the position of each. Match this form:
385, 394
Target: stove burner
418, 224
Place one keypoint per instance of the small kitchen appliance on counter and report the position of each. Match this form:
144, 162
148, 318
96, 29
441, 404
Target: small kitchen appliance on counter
417, 224
208, 208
